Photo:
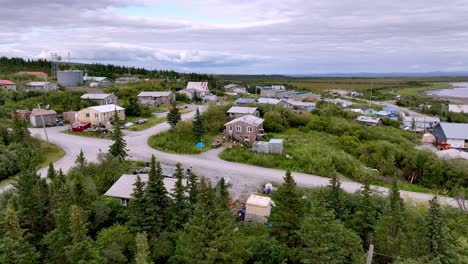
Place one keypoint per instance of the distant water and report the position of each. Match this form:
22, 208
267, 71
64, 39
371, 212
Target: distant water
460, 91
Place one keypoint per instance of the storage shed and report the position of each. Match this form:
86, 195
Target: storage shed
261, 146
49, 117
70, 117
276, 146
258, 208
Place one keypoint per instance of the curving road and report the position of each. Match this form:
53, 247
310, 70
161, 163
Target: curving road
243, 178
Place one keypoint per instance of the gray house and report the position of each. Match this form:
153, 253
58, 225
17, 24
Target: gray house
153, 99
49, 117
238, 111
101, 99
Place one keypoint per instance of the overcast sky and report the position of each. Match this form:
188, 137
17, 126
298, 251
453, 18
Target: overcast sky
243, 36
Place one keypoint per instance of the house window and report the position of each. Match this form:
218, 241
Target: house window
124, 201
87, 114
230, 128
238, 128
249, 129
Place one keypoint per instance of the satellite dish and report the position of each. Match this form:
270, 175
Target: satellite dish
59, 58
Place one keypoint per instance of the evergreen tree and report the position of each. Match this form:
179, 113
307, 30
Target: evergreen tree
389, 229
440, 241
137, 206
20, 132
32, 201
198, 126
51, 173
81, 159
286, 216
325, 240
192, 191
173, 117
209, 236
157, 201
14, 248
119, 148
180, 207
59, 238
222, 193
114, 243
335, 197
133, 107
366, 215
82, 249
142, 255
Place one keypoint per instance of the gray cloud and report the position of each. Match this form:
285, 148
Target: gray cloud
297, 36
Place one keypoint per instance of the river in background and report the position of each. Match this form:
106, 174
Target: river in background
460, 90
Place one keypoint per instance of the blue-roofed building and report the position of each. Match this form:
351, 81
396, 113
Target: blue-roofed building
244, 101
387, 114
392, 109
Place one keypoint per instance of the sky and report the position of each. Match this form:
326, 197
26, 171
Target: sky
243, 36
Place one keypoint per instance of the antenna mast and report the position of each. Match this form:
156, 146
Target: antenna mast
54, 60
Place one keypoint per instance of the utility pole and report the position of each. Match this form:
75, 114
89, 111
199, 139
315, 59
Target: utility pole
370, 253
43, 124
372, 84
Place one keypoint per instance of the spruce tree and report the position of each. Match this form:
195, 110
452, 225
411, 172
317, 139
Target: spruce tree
389, 229
198, 126
133, 107
32, 201
142, 255
335, 197
222, 193
20, 132
180, 207
81, 159
286, 216
82, 249
51, 173
14, 248
119, 148
157, 201
137, 206
440, 242
210, 235
173, 117
192, 191
325, 240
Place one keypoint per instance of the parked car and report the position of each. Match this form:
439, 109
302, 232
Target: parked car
80, 126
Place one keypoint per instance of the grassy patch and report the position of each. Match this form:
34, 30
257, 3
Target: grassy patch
413, 91
94, 134
404, 185
152, 121
51, 153
181, 140
5, 182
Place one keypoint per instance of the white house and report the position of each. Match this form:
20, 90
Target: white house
7, 84
235, 88
458, 108
456, 134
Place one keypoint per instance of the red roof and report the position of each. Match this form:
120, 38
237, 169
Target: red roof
35, 73
6, 82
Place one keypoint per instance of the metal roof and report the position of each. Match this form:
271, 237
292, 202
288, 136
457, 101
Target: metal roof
245, 101
38, 83
368, 119
154, 94
300, 103
95, 96
6, 82
455, 130
95, 79
276, 140
123, 187
268, 100
198, 86
425, 119
242, 110
249, 119
36, 112
107, 108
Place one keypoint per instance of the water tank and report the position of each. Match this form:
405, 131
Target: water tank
70, 78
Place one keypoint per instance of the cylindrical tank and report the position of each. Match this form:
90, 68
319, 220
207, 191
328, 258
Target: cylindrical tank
70, 78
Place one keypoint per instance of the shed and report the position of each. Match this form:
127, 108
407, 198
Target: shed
456, 134
261, 147
21, 114
38, 115
258, 208
276, 146
246, 101
70, 116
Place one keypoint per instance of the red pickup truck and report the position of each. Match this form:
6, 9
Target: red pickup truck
80, 127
